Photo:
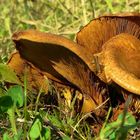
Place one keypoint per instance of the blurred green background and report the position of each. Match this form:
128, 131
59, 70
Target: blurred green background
64, 17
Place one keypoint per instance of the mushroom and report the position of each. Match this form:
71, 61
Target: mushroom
114, 50
61, 60
100, 30
94, 35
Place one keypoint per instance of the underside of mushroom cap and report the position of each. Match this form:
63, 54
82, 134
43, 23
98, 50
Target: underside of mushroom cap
100, 30
59, 57
122, 62
41, 37
41, 48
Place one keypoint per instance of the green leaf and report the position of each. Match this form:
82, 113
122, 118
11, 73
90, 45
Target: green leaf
121, 134
6, 137
19, 135
16, 94
109, 130
114, 130
54, 119
36, 129
65, 137
8, 75
46, 133
5, 103
129, 125
129, 119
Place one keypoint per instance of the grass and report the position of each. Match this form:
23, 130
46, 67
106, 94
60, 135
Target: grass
64, 17
55, 16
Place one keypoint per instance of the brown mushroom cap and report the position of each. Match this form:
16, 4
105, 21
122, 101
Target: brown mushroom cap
121, 57
98, 31
59, 57
41, 48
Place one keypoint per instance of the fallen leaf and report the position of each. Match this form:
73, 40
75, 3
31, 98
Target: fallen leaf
8, 75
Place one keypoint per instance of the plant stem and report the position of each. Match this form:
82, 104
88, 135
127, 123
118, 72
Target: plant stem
25, 104
11, 114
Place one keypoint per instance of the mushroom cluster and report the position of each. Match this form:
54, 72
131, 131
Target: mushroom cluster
107, 52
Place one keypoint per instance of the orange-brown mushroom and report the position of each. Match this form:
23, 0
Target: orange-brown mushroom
100, 30
60, 59
111, 56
